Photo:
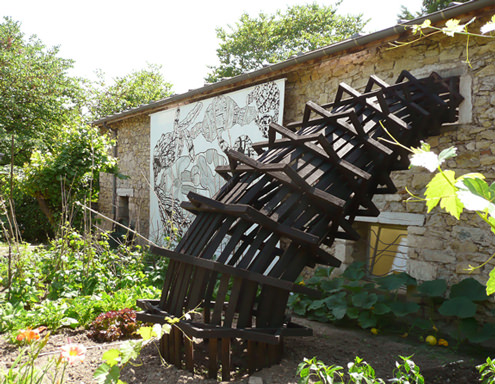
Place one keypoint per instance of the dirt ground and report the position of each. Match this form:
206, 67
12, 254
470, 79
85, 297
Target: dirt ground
330, 344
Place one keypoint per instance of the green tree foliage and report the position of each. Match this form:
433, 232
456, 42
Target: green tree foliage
42, 112
252, 42
37, 95
67, 173
429, 6
136, 88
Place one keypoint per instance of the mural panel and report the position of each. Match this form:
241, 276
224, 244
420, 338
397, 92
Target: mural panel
188, 142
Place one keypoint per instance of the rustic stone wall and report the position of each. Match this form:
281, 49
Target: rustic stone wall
441, 248
133, 150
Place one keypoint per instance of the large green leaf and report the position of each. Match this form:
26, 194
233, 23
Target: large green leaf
367, 319
332, 285
441, 189
364, 299
355, 271
339, 311
433, 288
490, 284
403, 308
335, 300
381, 309
460, 307
105, 374
469, 288
111, 357
422, 323
487, 332
395, 281
317, 304
353, 312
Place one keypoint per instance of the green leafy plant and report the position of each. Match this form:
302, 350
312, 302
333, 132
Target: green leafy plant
487, 371
358, 372
351, 296
114, 325
325, 374
115, 359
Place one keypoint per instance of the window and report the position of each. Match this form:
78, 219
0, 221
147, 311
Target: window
123, 210
387, 249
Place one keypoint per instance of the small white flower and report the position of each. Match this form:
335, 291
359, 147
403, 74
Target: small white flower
452, 27
428, 160
488, 27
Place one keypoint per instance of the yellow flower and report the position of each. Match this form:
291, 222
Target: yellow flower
374, 331
302, 282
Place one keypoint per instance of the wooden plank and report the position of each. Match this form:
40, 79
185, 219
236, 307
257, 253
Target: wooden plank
226, 269
250, 214
261, 355
226, 359
252, 352
248, 295
164, 347
233, 301
189, 353
212, 358
183, 283
177, 335
179, 270
221, 293
198, 286
274, 354
167, 282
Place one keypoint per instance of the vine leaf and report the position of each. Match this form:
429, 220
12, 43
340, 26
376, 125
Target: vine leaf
441, 189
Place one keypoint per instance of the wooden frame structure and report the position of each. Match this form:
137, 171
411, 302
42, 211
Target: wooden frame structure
311, 180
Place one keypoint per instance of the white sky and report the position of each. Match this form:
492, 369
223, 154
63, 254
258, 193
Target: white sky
118, 36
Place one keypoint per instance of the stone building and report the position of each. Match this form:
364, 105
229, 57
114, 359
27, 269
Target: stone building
404, 236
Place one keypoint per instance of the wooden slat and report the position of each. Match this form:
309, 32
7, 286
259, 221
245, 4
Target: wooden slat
226, 269
226, 359
189, 353
250, 214
177, 335
232, 305
212, 358
218, 308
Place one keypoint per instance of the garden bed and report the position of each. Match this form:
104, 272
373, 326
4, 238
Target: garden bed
330, 344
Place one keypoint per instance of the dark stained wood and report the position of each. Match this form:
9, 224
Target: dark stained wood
311, 180
189, 353
177, 335
212, 358
226, 359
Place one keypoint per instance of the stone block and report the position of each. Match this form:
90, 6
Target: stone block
422, 270
464, 269
473, 234
437, 256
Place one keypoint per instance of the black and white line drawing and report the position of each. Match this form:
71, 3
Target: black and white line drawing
184, 157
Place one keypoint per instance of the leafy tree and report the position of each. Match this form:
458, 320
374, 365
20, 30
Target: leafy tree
429, 6
136, 88
37, 95
252, 42
67, 173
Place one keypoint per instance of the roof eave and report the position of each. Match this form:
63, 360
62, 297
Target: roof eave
312, 55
